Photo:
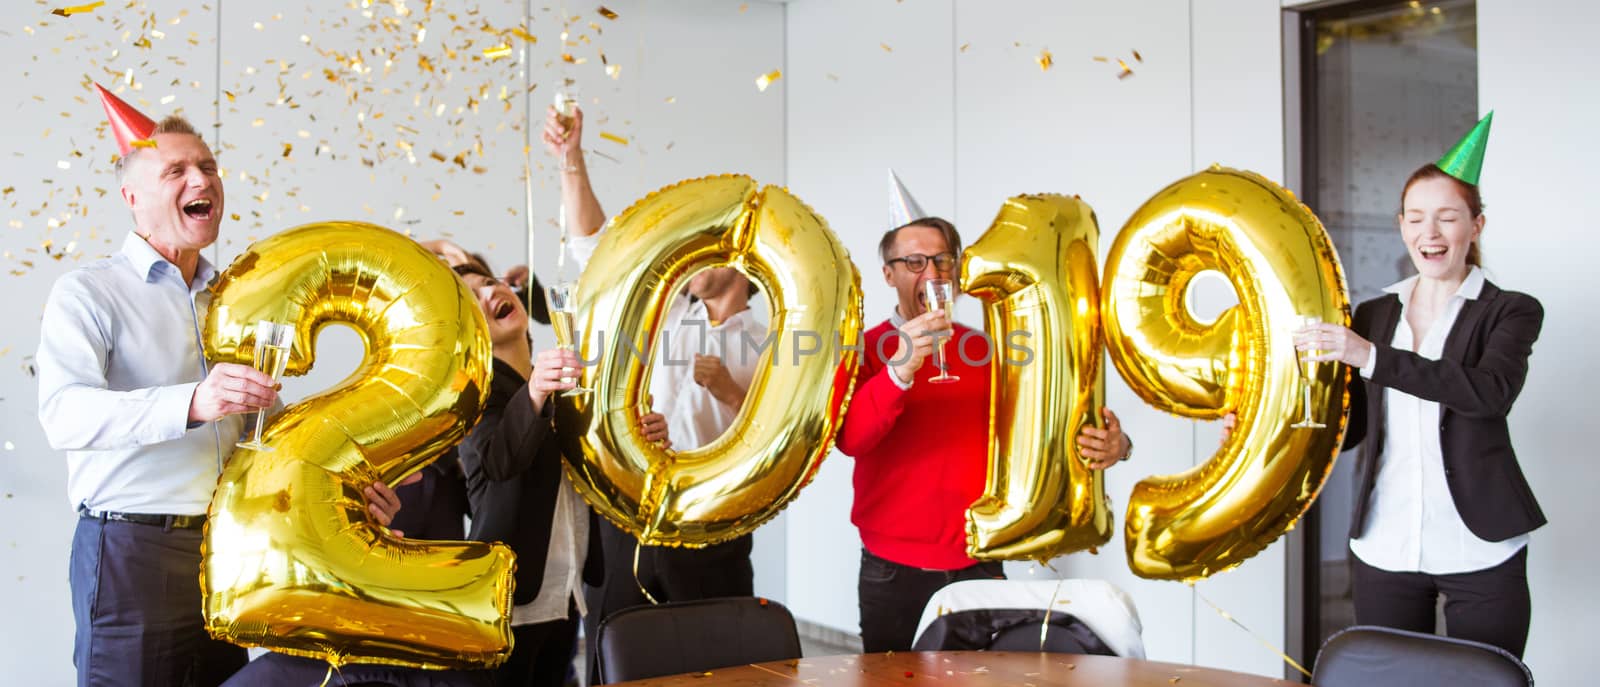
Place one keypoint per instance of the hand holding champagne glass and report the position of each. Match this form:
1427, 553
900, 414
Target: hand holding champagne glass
940, 295
1308, 374
273, 340
564, 319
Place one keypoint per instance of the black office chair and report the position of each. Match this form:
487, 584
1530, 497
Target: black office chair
1371, 656
667, 639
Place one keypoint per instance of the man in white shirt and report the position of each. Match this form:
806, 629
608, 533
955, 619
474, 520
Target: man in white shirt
146, 421
698, 384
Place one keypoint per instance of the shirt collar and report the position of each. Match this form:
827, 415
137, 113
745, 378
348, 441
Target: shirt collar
896, 319
1470, 288
144, 259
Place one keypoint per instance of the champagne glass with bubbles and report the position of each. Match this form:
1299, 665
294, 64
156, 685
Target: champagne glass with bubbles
1308, 374
940, 295
564, 318
273, 341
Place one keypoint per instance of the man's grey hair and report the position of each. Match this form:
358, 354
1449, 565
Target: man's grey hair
173, 124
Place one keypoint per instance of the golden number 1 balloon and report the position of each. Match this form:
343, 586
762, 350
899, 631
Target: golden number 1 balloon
1036, 270
786, 425
291, 560
1282, 266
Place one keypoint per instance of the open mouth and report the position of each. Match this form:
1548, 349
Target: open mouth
198, 209
1432, 252
503, 311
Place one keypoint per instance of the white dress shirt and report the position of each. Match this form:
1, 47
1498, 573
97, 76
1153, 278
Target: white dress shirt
119, 358
1413, 524
563, 563
694, 417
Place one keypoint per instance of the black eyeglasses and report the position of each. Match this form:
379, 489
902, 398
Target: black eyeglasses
917, 262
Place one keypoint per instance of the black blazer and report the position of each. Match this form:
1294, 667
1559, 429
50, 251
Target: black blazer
1475, 381
513, 469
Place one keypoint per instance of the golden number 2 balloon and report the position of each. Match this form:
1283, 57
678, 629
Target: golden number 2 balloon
1036, 270
795, 403
292, 561
1282, 266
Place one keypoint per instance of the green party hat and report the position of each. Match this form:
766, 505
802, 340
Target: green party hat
1465, 160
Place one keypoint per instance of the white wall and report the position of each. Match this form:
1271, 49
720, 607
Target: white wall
1538, 168
716, 122
968, 128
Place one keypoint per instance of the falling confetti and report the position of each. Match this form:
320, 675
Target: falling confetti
607, 13
1045, 60
765, 80
143, 143
886, 47
613, 138
77, 9
497, 52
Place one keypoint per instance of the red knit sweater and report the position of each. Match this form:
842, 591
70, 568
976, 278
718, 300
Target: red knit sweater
921, 453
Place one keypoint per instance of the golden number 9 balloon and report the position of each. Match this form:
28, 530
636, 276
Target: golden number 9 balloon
1282, 266
794, 405
1036, 270
292, 561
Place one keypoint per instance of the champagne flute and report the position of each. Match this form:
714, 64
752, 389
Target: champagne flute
1308, 374
940, 295
273, 341
564, 319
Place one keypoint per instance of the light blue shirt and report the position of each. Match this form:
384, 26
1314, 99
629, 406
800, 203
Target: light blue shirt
119, 358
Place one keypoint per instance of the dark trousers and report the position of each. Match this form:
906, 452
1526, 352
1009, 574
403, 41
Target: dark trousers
892, 597
281, 670
1489, 606
670, 573
138, 610
540, 656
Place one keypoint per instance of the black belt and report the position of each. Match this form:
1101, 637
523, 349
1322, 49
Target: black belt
171, 522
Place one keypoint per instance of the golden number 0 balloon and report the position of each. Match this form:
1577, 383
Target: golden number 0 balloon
292, 561
1036, 270
795, 403
1282, 265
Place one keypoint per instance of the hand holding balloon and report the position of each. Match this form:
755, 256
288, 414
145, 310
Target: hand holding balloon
1104, 447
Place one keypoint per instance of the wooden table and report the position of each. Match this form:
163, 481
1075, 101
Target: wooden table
967, 668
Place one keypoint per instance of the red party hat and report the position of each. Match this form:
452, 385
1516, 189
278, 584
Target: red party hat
127, 124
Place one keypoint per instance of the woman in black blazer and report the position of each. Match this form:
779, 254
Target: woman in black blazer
1441, 504
512, 464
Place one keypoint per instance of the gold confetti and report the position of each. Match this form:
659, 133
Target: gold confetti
258, 122
765, 80
1045, 60
567, 57
287, 148
886, 47
497, 52
77, 9
519, 32
670, 100
1101, 58
144, 143
613, 138
614, 71
230, 96
1137, 57
257, 26
964, 46
607, 13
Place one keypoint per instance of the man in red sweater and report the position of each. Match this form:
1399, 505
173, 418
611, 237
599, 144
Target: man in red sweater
921, 449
